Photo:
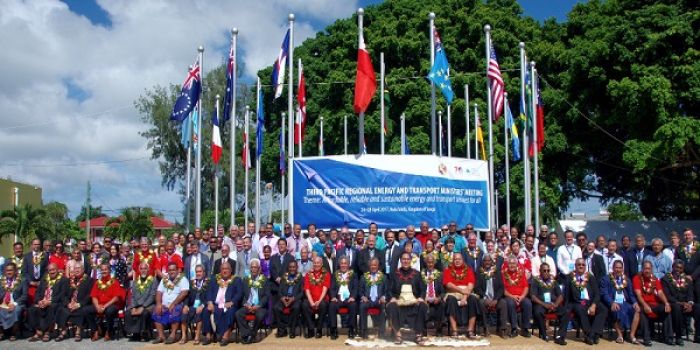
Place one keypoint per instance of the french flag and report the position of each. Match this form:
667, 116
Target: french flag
216, 145
280, 65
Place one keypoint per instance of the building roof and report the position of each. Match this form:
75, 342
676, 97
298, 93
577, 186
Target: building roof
101, 221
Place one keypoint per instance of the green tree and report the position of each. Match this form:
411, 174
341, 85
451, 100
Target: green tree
26, 223
132, 222
95, 212
624, 212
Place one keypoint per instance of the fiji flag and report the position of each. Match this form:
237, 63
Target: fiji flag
189, 95
260, 125
515, 138
440, 71
279, 67
185, 135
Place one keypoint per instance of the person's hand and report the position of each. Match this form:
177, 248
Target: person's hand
687, 307
636, 307
199, 309
420, 300
591, 309
364, 299
228, 304
171, 308
11, 307
382, 300
210, 307
334, 299
667, 308
647, 309
185, 310
393, 300
351, 300
278, 279
615, 307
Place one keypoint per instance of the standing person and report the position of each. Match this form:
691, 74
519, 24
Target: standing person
193, 259
489, 290
13, 293
678, 289
290, 296
117, 266
543, 258
170, 296
145, 254
59, 257
391, 254
611, 256
78, 304
343, 293
567, 255
244, 258
305, 263
473, 254
459, 281
690, 248
595, 264
653, 302
618, 296
661, 264
515, 294
582, 292
51, 297
140, 305
108, 298
225, 257
267, 239
170, 256
406, 304
552, 245
75, 261
223, 300
635, 257
368, 253
547, 297
674, 250
34, 268
317, 284
295, 242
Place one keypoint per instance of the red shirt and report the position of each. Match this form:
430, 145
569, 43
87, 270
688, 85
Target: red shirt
652, 297
60, 261
317, 289
150, 257
114, 290
423, 237
452, 273
518, 281
166, 259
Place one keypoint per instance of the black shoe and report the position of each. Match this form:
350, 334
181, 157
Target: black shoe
223, 342
279, 333
351, 334
513, 333
679, 341
363, 334
334, 334
669, 341
560, 341
309, 333
206, 341
646, 343
319, 333
596, 339
545, 337
589, 341
525, 333
438, 332
292, 333
696, 340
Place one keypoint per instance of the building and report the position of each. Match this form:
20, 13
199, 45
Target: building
98, 224
13, 194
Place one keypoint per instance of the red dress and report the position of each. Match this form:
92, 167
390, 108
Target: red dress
317, 289
107, 288
60, 261
458, 276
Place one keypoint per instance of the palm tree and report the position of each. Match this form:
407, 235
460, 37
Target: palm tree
25, 223
133, 222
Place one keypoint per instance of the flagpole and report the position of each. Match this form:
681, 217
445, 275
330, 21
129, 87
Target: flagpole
505, 138
403, 133
300, 111
322, 151
466, 117
381, 99
232, 179
198, 187
188, 177
449, 131
290, 113
361, 120
257, 162
216, 175
526, 158
476, 132
439, 113
535, 146
283, 174
431, 20
345, 134
246, 148
489, 114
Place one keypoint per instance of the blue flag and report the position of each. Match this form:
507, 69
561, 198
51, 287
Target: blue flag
189, 95
195, 120
406, 149
185, 135
283, 161
228, 97
440, 71
515, 138
260, 125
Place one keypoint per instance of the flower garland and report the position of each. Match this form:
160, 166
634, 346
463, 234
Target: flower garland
75, 283
317, 280
487, 275
446, 257
618, 286
18, 260
103, 286
142, 285
52, 281
256, 283
96, 265
376, 280
648, 288
10, 287
510, 280
202, 288
584, 281
689, 252
221, 282
433, 276
475, 254
36, 260
679, 284
462, 273
434, 253
147, 258
170, 284
343, 281
546, 285
293, 281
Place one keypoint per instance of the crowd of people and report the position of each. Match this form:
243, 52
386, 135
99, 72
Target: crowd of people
203, 286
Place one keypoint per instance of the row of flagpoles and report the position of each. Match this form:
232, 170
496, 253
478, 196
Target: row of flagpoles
188, 110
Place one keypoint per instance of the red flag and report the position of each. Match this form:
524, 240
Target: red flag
301, 111
539, 128
365, 81
245, 154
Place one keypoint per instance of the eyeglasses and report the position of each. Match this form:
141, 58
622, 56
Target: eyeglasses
547, 270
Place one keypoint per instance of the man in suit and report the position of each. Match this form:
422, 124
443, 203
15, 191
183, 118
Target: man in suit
368, 253
34, 265
290, 293
582, 294
78, 302
349, 252
51, 297
194, 258
343, 293
223, 299
473, 253
433, 294
678, 289
635, 257
595, 263
225, 257
372, 294
244, 258
279, 263
391, 254
547, 299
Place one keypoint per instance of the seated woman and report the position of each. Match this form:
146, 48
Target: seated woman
256, 292
317, 283
140, 307
77, 309
343, 294
108, 298
652, 301
13, 293
617, 294
223, 299
459, 281
50, 298
170, 297
196, 303
373, 288
406, 304
290, 295
415, 258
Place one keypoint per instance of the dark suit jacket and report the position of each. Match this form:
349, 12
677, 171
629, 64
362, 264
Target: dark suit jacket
393, 260
598, 266
297, 288
87, 267
475, 264
19, 295
204, 261
363, 259
328, 263
60, 294
234, 292
573, 295
631, 262
415, 282
202, 294
607, 291
278, 268
335, 286
538, 291
675, 295
28, 267
382, 288
263, 293
217, 266
480, 286
440, 290
84, 289
353, 261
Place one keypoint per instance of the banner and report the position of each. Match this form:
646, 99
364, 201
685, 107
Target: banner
393, 191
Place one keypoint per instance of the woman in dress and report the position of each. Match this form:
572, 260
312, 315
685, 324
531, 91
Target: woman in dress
59, 257
117, 266
265, 261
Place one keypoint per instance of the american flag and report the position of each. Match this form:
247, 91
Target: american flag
497, 86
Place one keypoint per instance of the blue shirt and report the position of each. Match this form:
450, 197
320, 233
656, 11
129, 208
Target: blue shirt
661, 265
417, 247
460, 242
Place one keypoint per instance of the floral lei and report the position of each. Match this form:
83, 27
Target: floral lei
475, 253
36, 260
462, 273
618, 287
343, 281
378, 278
510, 280
19, 261
434, 253
487, 275
141, 286
293, 281
679, 284
51, 282
650, 287
584, 282
143, 258
74, 284
546, 285
256, 283
446, 257
170, 285
105, 285
433, 276
223, 283
314, 280
10, 287
689, 252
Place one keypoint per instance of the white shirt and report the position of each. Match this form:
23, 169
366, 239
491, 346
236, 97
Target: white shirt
537, 261
610, 261
169, 295
271, 241
670, 252
566, 258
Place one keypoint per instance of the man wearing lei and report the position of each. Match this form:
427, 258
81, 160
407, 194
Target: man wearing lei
77, 309
548, 299
224, 296
256, 293
51, 296
140, 306
343, 294
653, 302
317, 284
582, 292
433, 294
448, 252
169, 256
108, 297
13, 297
193, 312
17, 257
617, 294
145, 255
489, 289
170, 296
372, 294
678, 289
473, 254
429, 250
461, 305
34, 268
690, 247
515, 293
290, 295
406, 304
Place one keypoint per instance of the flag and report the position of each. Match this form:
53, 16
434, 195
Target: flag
406, 149
216, 145
497, 86
280, 65
245, 153
514, 137
364, 147
195, 121
365, 80
540, 117
189, 95
440, 71
185, 133
320, 146
480, 137
228, 96
283, 160
260, 125
387, 104
301, 109
526, 105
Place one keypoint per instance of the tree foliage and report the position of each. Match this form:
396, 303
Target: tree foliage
624, 212
26, 223
132, 223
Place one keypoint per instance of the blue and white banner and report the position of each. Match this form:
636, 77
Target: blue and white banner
391, 190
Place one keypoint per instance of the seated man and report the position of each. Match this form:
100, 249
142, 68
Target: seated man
678, 288
80, 301
406, 304
548, 299
582, 293
618, 296
50, 298
108, 298
343, 293
459, 280
489, 290
652, 301
195, 304
515, 293
290, 295
256, 293
223, 299
13, 294
433, 293
373, 288
317, 283
170, 296
140, 306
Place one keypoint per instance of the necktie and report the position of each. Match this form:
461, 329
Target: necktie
431, 287
371, 253
49, 291
8, 296
246, 257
